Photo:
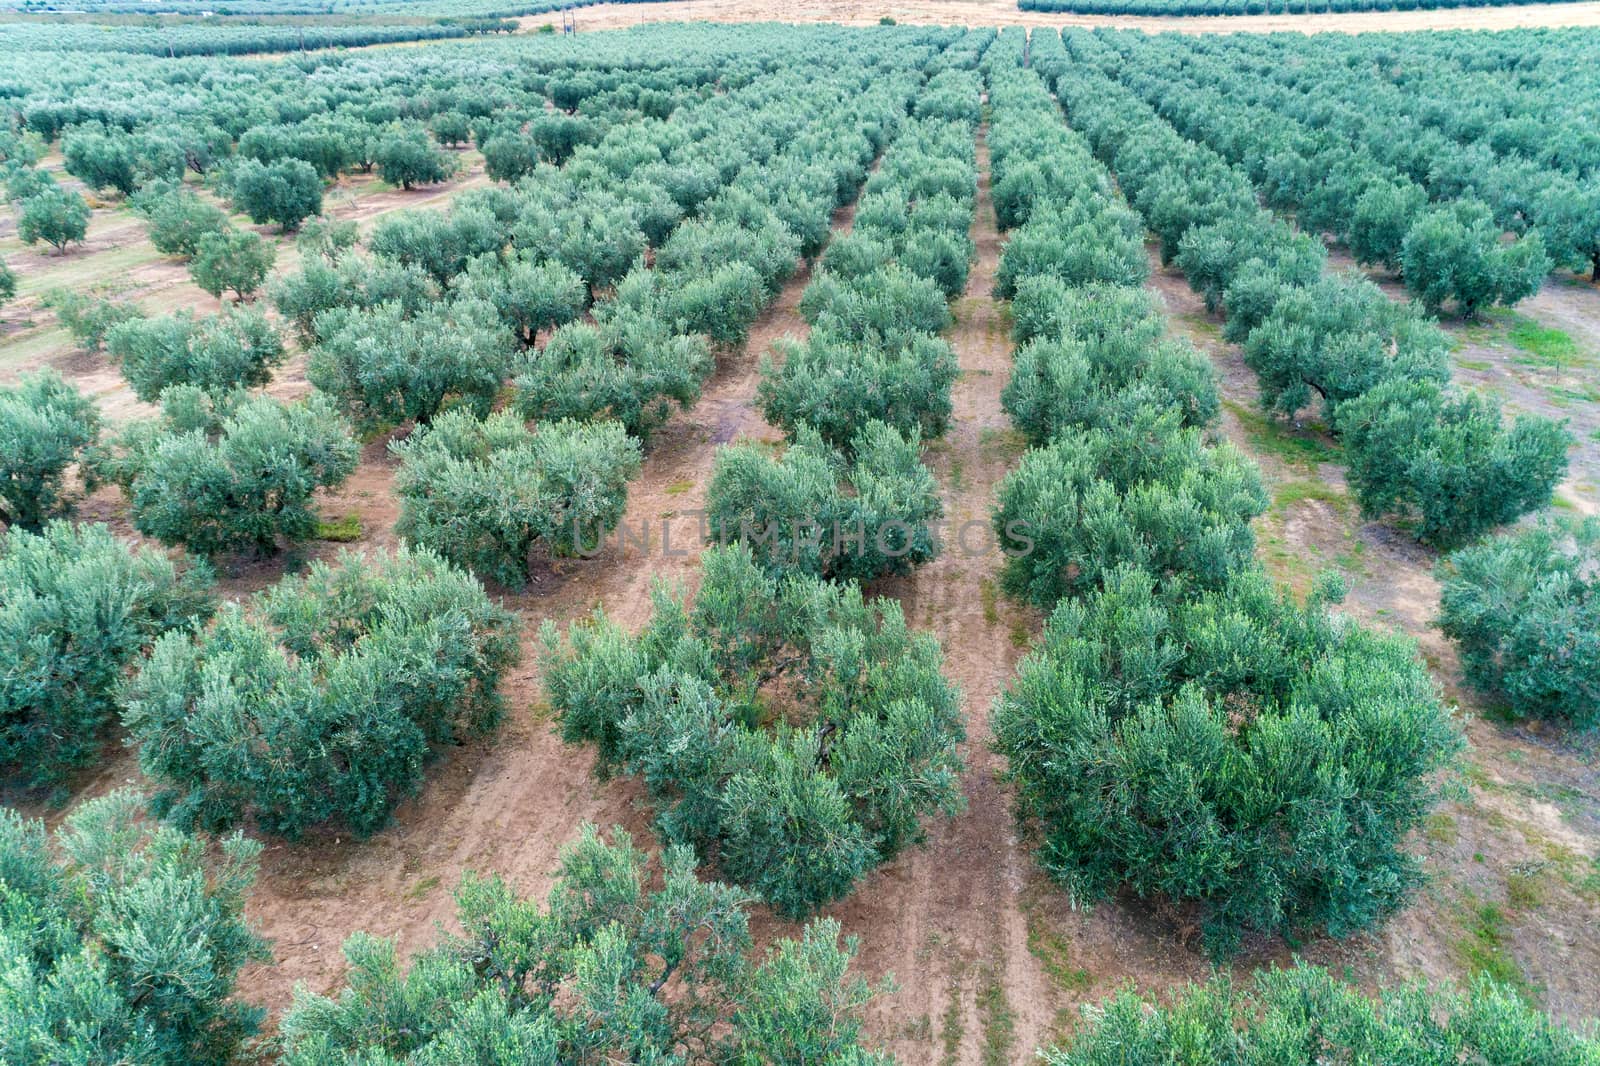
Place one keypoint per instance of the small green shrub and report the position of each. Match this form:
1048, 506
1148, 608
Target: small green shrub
1524, 608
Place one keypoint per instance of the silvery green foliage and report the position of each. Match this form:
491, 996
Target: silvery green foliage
322, 698
77, 608
123, 941
231, 473
1278, 1014
1524, 608
789, 726
485, 494
610, 967
46, 426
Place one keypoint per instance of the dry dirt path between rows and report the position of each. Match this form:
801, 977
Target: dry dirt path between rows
947, 918
507, 804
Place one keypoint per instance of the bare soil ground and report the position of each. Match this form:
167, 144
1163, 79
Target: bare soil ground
1006, 13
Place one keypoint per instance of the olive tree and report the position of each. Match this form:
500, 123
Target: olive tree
219, 353
485, 493
1454, 253
227, 474
861, 748
1144, 491
285, 192
834, 385
132, 941
813, 511
1279, 1013
1446, 461
621, 962
179, 219
55, 216
321, 699
46, 426
231, 260
77, 608
1235, 750
1524, 608
383, 366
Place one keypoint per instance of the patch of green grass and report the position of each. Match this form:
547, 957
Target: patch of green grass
1020, 637
422, 888
950, 1027
1547, 346
990, 595
1565, 395
1002, 443
340, 530
678, 488
1055, 955
1441, 829
1269, 436
1290, 493
1482, 947
957, 475
1475, 364
999, 1023
1525, 886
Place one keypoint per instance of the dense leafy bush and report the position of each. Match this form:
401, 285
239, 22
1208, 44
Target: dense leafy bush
1260, 759
55, 216
77, 607
321, 699
1338, 339
231, 260
230, 474
1454, 254
834, 386
440, 244
484, 493
127, 946
408, 158
1145, 491
285, 192
88, 318
529, 296
179, 219
353, 282
1281, 1013
46, 426
218, 354
812, 511
1093, 355
888, 307
1446, 460
862, 740
610, 968
383, 366
1524, 608
632, 370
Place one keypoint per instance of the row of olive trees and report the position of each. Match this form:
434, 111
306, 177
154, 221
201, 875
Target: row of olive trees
1377, 372
789, 727
1161, 734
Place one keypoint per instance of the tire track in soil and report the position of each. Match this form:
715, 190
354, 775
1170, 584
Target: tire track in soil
507, 803
947, 918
